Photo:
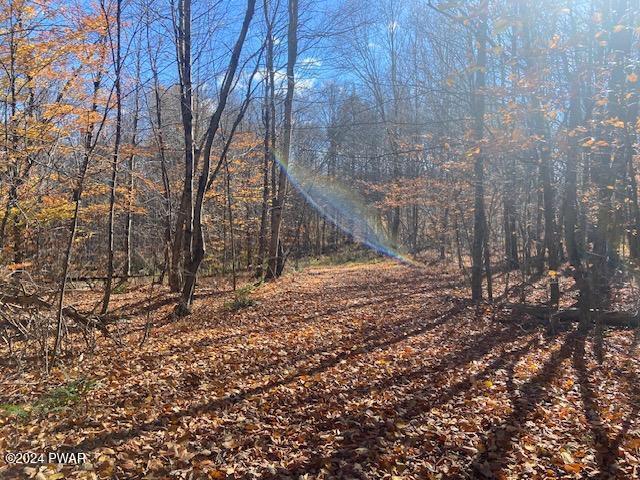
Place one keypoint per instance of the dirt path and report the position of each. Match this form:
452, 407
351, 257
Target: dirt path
365, 371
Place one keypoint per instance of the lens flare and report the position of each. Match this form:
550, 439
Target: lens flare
345, 208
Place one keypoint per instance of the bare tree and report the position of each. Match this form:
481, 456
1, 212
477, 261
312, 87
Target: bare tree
196, 252
276, 257
117, 62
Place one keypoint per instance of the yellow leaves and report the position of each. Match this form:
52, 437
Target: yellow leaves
154, 464
473, 152
401, 425
553, 43
230, 443
18, 266
572, 467
54, 208
53, 476
96, 24
568, 462
553, 273
614, 122
592, 143
89, 117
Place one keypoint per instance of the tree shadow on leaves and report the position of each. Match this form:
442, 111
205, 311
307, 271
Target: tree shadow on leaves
361, 434
161, 422
500, 439
600, 437
607, 449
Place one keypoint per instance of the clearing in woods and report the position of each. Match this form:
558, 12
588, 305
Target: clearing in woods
357, 371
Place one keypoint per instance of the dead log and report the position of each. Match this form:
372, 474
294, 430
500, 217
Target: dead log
32, 300
92, 321
608, 318
11, 297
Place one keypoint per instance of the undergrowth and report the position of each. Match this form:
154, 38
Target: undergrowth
56, 400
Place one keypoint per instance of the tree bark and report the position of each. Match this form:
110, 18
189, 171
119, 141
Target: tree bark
276, 262
269, 116
166, 186
479, 215
196, 255
181, 252
128, 224
571, 181
89, 145
114, 163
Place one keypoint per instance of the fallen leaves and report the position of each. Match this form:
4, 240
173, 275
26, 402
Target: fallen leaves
358, 371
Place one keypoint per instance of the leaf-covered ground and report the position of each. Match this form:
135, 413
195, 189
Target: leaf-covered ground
364, 372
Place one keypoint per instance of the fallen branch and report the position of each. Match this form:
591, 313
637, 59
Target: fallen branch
91, 321
17, 300
25, 301
544, 312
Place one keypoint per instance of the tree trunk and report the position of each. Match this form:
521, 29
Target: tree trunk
510, 235
610, 161
182, 246
232, 241
174, 281
114, 164
550, 237
276, 263
192, 263
444, 234
571, 185
543, 155
89, 145
269, 140
128, 225
479, 216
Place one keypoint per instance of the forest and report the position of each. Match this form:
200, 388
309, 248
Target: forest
319, 239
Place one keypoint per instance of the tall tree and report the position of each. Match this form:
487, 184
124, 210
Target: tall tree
196, 252
115, 159
478, 106
276, 250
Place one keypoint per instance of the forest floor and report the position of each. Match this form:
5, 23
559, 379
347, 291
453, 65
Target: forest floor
359, 371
